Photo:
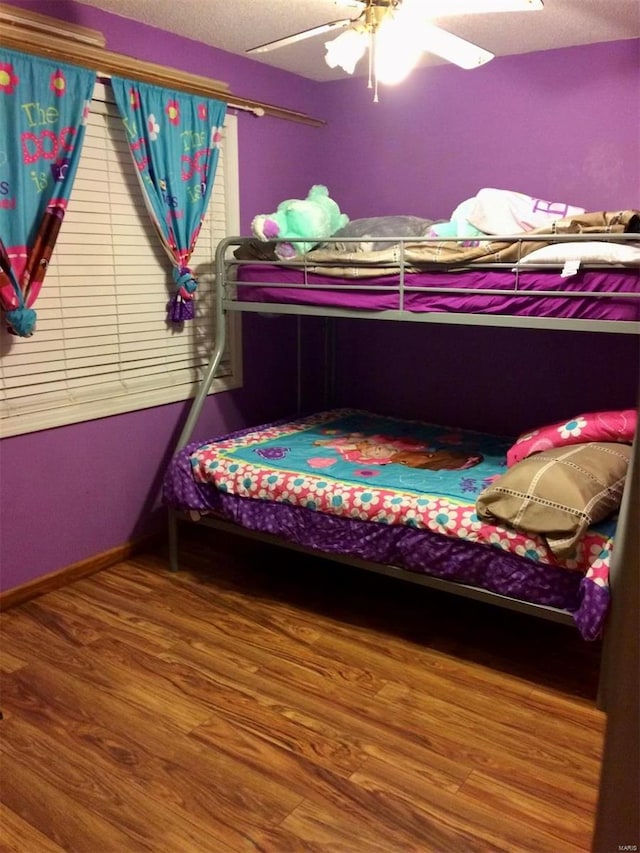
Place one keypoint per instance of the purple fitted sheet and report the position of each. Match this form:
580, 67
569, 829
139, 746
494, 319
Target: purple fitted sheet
256, 283
412, 549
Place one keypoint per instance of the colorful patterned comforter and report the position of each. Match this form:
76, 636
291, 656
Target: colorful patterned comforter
357, 465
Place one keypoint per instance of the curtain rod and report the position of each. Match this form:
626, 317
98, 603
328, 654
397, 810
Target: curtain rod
43, 24
257, 111
18, 36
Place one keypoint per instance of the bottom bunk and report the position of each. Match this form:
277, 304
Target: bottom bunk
528, 524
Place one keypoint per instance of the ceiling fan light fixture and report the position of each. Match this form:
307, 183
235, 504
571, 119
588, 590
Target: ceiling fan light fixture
397, 51
347, 49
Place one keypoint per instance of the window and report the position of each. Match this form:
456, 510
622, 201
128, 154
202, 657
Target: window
102, 345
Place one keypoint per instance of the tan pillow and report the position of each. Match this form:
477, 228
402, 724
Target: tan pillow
559, 493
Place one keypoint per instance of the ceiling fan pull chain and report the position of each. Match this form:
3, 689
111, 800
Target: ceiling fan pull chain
373, 58
373, 47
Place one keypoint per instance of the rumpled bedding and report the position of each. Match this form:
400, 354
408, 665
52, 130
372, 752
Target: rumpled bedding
421, 255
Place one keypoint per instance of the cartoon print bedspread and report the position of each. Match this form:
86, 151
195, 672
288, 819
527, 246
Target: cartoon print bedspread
358, 465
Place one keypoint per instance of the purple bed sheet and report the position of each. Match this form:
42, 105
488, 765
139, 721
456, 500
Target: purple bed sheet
578, 297
409, 548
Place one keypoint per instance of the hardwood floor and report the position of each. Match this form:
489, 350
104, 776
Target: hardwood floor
260, 700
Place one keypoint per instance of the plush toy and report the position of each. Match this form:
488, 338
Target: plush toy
316, 217
458, 225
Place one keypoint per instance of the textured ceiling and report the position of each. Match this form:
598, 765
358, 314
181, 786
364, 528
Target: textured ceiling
236, 25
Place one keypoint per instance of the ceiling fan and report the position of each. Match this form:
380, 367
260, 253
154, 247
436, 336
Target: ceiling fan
397, 32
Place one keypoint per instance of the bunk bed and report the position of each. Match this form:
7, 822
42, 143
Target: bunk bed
580, 278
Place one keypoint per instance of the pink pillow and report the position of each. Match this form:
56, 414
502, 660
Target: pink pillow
593, 426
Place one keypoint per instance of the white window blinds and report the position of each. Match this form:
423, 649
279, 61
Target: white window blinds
102, 345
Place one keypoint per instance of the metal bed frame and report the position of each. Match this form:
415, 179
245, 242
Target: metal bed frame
226, 303
225, 267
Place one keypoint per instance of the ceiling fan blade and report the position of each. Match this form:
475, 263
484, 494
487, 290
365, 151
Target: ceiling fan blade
448, 8
305, 34
454, 49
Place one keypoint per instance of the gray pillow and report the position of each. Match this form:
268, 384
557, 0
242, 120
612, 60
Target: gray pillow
380, 226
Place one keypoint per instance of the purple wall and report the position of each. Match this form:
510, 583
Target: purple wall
560, 124
492, 379
563, 125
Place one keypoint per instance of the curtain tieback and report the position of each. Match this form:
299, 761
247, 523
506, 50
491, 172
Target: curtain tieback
21, 321
181, 304
185, 282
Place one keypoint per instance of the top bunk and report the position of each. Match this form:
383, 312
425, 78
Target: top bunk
578, 273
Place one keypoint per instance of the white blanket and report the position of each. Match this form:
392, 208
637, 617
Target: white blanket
506, 212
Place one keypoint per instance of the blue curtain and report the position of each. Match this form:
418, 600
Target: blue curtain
43, 110
174, 139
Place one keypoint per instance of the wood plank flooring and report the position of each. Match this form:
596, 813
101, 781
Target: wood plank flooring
261, 700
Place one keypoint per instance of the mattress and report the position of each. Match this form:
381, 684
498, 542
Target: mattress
590, 294
352, 483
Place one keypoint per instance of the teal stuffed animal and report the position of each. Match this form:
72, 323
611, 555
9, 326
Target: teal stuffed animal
316, 217
458, 225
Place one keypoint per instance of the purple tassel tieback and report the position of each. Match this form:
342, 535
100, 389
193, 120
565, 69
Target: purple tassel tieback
181, 306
